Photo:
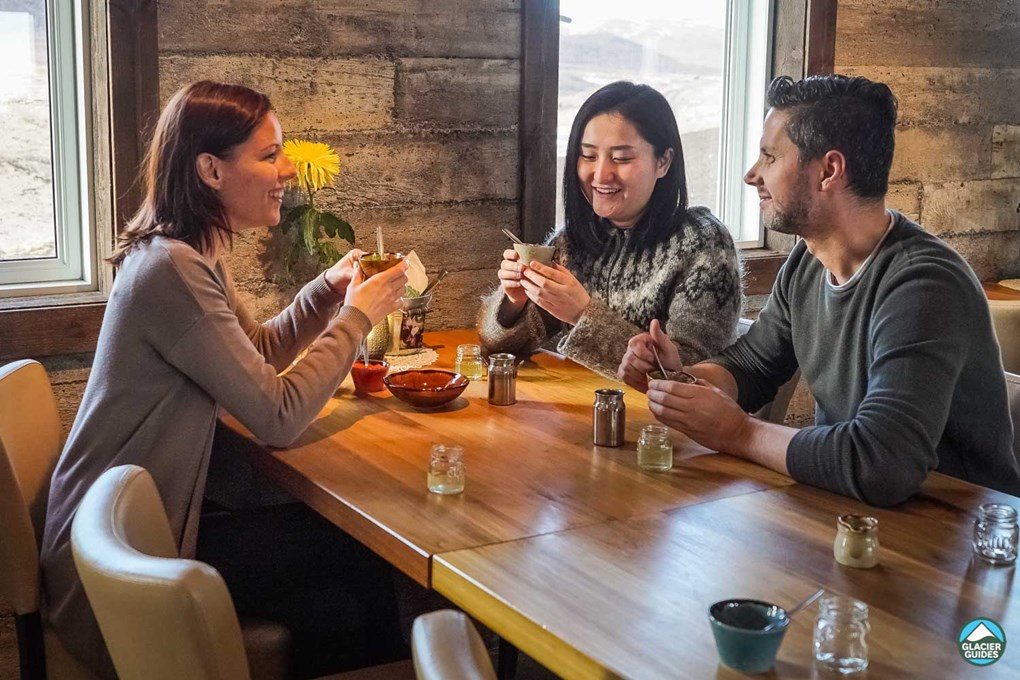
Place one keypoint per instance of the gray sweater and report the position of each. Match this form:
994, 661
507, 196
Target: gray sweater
176, 345
690, 283
903, 364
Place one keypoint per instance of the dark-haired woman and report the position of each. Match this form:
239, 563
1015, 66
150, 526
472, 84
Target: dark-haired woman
176, 345
631, 250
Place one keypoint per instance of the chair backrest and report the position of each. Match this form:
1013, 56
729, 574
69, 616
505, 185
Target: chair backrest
446, 646
161, 616
29, 448
775, 410
1006, 321
1013, 392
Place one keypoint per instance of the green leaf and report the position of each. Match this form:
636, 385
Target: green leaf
308, 224
335, 226
411, 292
293, 215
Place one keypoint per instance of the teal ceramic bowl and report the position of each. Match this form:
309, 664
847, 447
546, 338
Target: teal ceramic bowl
740, 638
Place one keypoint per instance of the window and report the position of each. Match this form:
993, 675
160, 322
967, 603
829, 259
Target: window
709, 58
45, 230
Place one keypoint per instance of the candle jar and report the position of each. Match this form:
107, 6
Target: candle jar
654, 449
841, 634
446, 470
996, 533
856, 543
469, 361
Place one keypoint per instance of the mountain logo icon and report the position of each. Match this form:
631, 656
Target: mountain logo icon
982, 642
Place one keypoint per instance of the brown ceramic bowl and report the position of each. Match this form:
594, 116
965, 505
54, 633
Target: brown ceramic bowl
426, 388
374, 263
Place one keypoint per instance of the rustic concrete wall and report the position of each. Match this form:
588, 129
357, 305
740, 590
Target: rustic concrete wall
418, 98
955, 67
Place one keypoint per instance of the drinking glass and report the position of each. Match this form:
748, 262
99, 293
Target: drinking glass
469, 361
446, 469
841, 634
996, 533
654, 449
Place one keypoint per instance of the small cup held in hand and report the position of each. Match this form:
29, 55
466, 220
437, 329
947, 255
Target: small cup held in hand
532, 252
375, 263
678, 376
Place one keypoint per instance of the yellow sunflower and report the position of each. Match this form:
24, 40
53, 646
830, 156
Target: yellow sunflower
316, 163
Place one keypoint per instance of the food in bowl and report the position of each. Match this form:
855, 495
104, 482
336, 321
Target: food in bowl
533, 252
374, 263
369, 377
426, 388
679, 376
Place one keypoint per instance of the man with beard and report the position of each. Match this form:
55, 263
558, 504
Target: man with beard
887, 323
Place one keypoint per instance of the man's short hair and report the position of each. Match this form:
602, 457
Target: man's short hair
854, 116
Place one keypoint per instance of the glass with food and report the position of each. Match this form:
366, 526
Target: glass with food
374, 263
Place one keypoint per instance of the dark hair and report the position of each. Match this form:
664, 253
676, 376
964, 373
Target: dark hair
854, 116
649, 112
204, 117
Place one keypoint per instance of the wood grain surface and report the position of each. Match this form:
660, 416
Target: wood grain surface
531, 468
630, 598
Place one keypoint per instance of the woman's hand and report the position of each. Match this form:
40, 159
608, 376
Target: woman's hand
639, 359
556, 290
510, 272
379, 295
340, 275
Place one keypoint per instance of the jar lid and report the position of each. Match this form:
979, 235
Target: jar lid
857, 524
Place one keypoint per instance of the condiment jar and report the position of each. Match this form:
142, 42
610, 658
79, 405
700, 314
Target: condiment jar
502, 379
996, 533
856, 543
609, 417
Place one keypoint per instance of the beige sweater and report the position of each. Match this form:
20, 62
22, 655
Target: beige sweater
175, 345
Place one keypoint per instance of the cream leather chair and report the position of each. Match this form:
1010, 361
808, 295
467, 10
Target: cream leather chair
1006, 320
29, 448
775, 410
446, 646
161, 616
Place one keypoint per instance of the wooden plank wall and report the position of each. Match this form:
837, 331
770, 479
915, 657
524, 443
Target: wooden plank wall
420, 99
955, 67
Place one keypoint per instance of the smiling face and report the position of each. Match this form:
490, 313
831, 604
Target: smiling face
618, 169
250, 179
782, 182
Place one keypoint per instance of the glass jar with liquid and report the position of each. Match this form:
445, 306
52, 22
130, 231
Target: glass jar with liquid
469, 362
446, 470
841, 634
654, 449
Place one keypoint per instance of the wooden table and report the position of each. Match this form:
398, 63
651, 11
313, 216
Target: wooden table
630, 598
531, 467
993, 291
599, 569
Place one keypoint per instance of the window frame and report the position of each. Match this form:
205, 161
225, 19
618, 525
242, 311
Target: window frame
121, 95
802, 43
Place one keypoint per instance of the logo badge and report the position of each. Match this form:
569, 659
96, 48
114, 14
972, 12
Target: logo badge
982, 642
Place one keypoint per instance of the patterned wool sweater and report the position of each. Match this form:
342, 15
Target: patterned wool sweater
690, 283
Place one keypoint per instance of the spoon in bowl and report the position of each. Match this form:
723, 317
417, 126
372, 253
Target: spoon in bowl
789, 615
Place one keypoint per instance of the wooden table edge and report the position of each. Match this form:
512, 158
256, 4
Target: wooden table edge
530, 637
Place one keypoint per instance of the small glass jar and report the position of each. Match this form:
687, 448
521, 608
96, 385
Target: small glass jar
856, 543
654, 449
841, 634
446, 470
996, 533
469, 362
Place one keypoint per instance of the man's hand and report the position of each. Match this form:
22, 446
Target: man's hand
639, 360
701, 411
556, 290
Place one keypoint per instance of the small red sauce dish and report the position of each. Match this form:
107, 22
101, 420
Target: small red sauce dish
369, 378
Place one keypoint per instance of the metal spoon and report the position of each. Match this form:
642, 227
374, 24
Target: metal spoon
790, 613
513, 237
435, 283
658, 361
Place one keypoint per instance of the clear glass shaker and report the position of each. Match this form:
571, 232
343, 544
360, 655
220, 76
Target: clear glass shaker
654, 448
446, 470
996, 533
841, 634
469, 361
